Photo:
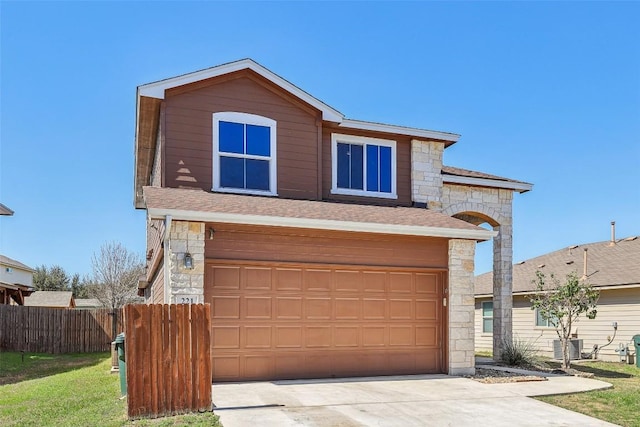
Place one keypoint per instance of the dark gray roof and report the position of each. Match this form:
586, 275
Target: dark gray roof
607, 265
450, 170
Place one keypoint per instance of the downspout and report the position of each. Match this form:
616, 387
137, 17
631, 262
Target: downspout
166, 245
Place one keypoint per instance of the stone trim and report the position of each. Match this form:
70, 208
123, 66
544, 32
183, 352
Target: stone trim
186, 236
426, 173
461, 307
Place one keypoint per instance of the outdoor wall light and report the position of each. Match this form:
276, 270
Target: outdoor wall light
211, 233
188, 261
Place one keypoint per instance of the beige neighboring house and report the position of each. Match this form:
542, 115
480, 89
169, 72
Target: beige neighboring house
16, 280
88, 303
51, 299
613, 267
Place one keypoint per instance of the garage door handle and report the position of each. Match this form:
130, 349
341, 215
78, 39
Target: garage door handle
444, 301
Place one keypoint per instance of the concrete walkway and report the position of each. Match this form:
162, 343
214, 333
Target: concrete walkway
416, 400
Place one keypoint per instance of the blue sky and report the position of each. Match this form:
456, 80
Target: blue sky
547, 93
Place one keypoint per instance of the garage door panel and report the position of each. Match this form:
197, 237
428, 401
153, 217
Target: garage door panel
318, 280
318, 308
226, 307
257, 337
346, 336
257, 308
318, 337
288, 336
288, 308
400, 282
257, 278
225, 337
347, 308
401, 309
288, 279
374, 309
285, 320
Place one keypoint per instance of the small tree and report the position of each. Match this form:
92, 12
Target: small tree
115, 275
562, 303
54, 278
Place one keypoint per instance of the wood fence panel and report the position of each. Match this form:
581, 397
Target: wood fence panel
50, 330
168, 359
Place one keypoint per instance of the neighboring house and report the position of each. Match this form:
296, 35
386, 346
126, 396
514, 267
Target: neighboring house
613, 268
326, 246
51, 299
16, 281
88, 303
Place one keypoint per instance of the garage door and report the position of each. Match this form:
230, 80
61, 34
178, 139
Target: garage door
292, 320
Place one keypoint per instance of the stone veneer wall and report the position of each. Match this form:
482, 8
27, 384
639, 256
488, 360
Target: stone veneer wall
426, 172
186, 236
461, 307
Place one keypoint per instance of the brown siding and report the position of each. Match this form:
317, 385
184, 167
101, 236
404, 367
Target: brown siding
157, 288
188, 132
155, 255
298, 245
403, 147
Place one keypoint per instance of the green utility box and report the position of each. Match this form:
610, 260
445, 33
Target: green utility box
122, 363
636, 343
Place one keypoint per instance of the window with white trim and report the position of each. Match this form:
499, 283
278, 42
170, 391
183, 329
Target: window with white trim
244, 153
545, 323
363, 166
487, 317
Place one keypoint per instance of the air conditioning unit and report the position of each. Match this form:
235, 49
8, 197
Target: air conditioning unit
575, 349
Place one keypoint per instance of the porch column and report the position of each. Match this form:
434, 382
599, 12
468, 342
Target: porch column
461, 307
502, 288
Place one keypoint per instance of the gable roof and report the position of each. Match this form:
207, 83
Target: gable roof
5, 260
88, 303
454, 175
5, 210
55, 299
199, 205
607, 266
148, 109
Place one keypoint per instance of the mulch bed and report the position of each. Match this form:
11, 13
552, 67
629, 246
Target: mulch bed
487, 375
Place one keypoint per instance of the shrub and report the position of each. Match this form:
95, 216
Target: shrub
518, 352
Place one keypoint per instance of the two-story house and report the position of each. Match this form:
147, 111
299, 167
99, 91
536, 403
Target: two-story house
326, 246
16, 281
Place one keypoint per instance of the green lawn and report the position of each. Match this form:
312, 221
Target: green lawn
70, 390
619, 405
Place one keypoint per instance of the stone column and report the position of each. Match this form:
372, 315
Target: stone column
186, 237
461, 307
426, 173
502, 288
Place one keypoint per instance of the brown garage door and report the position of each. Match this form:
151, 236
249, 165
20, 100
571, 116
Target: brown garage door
292, 320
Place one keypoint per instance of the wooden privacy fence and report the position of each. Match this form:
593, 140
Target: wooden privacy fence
167, 353
50, 330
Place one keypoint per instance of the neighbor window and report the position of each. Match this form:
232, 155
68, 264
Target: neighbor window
244, 153
363, 166
487, 317
541, 321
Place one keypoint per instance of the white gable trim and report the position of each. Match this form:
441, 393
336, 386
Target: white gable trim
402, 130
157, 89
322, 224
520, 187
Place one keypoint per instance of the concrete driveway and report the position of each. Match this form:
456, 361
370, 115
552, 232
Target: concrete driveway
417, 400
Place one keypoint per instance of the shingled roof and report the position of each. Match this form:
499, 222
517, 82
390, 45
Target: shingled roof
607, 266
200, 205
53, 299
465, 176
5, 260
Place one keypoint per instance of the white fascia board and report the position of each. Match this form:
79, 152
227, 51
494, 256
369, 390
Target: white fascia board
157, 89
520, 187
381, 127
322, 224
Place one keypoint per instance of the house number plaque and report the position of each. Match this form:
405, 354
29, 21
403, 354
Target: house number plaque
187, 299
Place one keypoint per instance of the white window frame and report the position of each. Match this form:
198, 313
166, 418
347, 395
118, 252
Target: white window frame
361, 140
485, 317
535, 320
247, 119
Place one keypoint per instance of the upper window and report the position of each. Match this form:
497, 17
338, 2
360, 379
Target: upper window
546, 323
363, 166
487, 317
244, 153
